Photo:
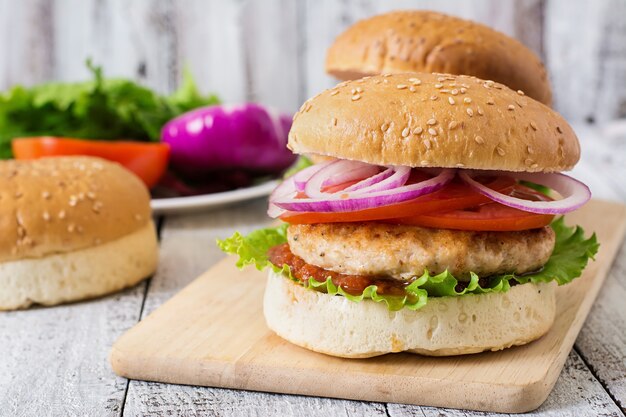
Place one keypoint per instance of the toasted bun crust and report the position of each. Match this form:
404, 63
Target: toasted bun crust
84, 273
422, 41
434, 120
60, 205
445, 326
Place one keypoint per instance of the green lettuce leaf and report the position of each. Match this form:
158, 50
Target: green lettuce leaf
570, 256
103, 108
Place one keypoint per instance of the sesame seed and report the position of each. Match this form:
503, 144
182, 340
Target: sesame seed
529, 149
334, 92
432, 131
451, 100
467, 100
441, 79
97, 206
470, 112
334, 121
454, 92
45, 195
356, 97
73, 201
491, 102
480, 111
533, 125
463, 90
71, 227
384, 127
412, 89
386, 81
438, 85
415, 81
431, 122
528, 161
434, 97
459, 165
534, 165
401, 86
418, 130
479, 140
511, 107
500, 151
427, 143
353, 91
62, 214
520, 92
558, 129
405, 132
452, 125
359, 90
387, 75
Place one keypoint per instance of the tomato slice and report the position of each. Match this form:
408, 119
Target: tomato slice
486, 217
455, 195
147, 160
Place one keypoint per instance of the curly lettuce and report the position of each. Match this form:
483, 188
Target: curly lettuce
570, 256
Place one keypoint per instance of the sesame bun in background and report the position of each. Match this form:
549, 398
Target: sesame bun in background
434, 120
71, 228
423, 41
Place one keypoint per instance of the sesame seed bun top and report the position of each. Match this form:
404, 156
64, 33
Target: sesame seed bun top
434, 120
58, 205
423, 41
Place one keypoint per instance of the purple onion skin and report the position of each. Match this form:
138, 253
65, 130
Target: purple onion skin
213, 138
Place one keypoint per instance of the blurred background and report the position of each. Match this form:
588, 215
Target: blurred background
273, 51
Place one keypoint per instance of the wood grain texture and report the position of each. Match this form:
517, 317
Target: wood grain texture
272, 51
53, 361
226, 344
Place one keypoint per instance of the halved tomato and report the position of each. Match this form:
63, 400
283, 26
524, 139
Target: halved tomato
455, 195
148, 160
486, 217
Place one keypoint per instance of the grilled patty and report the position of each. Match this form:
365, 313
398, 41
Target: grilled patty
399, 251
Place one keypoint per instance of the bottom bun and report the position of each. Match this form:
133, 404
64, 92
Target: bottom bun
445, 326
80, 274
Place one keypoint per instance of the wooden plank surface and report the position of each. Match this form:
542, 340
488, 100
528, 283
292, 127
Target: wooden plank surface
273, 50
212, 333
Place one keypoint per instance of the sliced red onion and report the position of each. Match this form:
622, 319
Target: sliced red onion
397, 179
337, 172
574, 192
286, 189
302, 177
343, 201
375, 179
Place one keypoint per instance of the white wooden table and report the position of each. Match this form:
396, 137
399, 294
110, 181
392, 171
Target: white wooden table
53, 361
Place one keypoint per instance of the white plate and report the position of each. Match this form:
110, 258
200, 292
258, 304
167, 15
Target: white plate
200, 202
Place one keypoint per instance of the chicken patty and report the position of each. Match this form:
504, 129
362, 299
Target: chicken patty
400, 251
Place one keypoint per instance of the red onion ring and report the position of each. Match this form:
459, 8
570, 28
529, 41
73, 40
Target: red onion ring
343, 201
399, 177
287, 188
574, 192
302, 177
337, 172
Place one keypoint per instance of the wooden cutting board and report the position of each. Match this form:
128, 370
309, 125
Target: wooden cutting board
213, 333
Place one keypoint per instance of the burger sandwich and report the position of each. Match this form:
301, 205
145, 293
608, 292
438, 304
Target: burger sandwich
436, 227
425, 41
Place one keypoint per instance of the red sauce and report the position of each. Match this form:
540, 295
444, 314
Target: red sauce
352, 284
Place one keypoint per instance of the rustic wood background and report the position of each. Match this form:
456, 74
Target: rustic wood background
272, 51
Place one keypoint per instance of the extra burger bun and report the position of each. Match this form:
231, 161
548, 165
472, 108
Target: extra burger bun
445, 326
434, 120
422, 41
71, 228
